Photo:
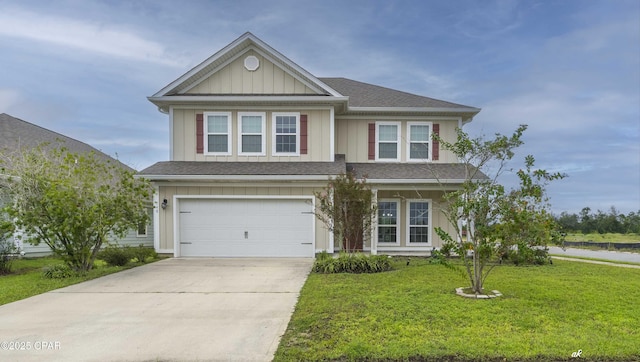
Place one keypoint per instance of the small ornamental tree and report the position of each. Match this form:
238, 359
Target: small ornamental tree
345, 207
71, 202
496, 221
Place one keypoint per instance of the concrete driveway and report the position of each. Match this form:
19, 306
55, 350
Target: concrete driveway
172, 310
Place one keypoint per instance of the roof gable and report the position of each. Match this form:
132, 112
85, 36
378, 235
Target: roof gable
198, 79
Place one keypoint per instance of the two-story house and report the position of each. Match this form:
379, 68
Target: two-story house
254, 135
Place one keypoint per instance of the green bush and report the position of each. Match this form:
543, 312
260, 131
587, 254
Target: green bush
355, 263
8, 252
142, 253
115, 256
57, 271
523, 255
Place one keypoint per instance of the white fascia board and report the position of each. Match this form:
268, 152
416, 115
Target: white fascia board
237, 177
241, 98
415, 109
413, 181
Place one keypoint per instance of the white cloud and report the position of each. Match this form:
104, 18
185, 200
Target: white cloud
106, 39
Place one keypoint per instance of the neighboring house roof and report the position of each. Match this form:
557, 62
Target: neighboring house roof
16, 133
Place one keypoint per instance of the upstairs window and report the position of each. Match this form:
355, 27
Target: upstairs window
419, 141
286, 134
218, 133
251, 140
387, 142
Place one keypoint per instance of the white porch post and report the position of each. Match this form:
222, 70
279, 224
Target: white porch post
374, 224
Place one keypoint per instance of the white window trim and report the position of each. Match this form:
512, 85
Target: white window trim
430, 141
273, 134
146, 232
408, 222
398, 125
398, 222
206, 133
263, 137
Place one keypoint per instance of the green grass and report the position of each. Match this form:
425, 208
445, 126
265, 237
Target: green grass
27, 280
412, 313
604, 238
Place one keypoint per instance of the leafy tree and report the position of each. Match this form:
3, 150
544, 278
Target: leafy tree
71, 202
345, 207
496, 219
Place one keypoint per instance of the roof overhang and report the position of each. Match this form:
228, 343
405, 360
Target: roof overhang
226, 178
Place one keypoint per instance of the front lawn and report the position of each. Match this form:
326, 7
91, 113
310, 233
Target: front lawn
27, 280
412, 313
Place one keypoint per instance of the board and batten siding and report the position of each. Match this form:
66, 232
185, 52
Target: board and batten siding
166, 224
437, 218
234, 78
318, 140
352, 138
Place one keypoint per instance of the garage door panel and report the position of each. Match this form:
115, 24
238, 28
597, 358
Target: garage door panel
254, 227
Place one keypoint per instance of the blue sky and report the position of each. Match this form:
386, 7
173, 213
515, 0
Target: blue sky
569, 69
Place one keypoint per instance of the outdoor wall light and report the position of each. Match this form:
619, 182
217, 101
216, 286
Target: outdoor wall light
164, 204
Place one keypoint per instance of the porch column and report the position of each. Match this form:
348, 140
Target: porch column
374, 224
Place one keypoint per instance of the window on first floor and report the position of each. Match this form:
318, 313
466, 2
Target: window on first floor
286, 134
418, 212
251, 135
142, 230
388, 221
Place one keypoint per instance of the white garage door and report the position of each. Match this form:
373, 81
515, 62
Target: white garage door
246, 228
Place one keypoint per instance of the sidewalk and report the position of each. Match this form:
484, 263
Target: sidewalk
612, 256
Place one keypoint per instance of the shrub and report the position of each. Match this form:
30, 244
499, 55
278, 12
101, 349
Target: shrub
351, 263
142, 253
8, 251
523, 255
115, 256
57, 271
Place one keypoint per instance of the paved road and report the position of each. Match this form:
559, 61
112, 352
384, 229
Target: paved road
598, 254
171, 310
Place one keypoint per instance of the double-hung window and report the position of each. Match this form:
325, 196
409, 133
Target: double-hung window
251, 137
286, 134
388, 221
419, 226
387, 141
218, 133
419, 141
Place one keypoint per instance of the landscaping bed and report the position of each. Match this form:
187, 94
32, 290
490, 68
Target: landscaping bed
546, 313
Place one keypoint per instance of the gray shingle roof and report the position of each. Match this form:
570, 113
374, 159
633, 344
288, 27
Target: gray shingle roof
368, 95
410, 171
378, 171
203, 168
16, 133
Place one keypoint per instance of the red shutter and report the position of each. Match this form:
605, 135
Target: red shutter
303, 134
372, 141
435, 152
199, 133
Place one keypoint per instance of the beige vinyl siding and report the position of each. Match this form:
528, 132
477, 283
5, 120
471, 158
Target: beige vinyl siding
318, 142
235, 79
352, 138
437, 219
167, 192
